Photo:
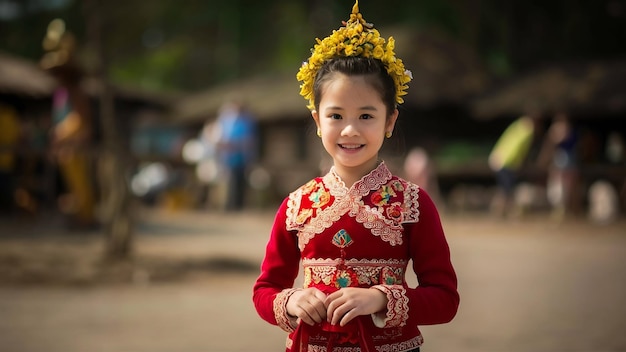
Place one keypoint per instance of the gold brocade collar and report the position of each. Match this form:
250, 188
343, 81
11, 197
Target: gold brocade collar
369, 182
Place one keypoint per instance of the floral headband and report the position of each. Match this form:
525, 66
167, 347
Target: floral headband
355, 38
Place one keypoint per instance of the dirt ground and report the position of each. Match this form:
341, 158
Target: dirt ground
526, 285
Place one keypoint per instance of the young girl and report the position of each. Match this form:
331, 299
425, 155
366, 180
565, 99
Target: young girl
355, 230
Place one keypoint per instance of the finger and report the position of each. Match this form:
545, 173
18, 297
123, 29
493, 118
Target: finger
317, 303
337, 309
307, 316
346, 318
333, 302
320, 295
315, 310
339, 313
333, 296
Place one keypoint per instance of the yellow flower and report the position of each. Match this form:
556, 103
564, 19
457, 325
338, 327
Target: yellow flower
378, 52
349, 50
356, 38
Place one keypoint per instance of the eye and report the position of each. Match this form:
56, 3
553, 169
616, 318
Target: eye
335, 116
366, 117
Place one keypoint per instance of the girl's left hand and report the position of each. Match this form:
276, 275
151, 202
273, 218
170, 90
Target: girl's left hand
350, 302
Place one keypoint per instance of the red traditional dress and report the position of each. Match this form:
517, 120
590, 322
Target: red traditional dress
362, 236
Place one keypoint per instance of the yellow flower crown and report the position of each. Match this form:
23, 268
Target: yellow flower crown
355, 38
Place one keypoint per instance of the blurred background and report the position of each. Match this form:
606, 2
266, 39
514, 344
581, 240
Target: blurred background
113, 123
155, 75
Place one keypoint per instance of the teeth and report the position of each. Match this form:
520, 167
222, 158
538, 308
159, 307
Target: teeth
351, 146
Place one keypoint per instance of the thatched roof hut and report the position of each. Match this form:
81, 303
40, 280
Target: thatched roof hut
582, 89
444, 72
269, 96
20, 76
25, 80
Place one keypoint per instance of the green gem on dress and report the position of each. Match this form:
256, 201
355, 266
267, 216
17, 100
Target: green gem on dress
342, 239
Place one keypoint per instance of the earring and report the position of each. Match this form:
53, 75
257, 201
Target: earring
388, 134
319, 132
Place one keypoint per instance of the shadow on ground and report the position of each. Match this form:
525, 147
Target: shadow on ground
63, 268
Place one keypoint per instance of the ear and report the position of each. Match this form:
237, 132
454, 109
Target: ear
391, 122
316, 118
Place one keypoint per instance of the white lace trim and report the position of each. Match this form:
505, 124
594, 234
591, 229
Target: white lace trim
283, 319
397, 306
351, 201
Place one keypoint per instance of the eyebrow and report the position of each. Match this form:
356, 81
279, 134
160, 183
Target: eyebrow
365, 108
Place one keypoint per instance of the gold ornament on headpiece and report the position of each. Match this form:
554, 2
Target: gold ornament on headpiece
355, 38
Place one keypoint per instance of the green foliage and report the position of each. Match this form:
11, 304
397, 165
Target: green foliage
194, 44
155, 70
461, 153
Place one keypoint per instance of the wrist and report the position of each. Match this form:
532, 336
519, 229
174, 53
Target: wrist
290, 299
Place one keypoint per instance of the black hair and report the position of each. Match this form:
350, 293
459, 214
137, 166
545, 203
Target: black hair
373, 70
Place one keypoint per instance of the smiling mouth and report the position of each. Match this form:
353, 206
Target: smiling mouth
351, 146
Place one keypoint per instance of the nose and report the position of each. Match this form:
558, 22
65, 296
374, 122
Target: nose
349, 130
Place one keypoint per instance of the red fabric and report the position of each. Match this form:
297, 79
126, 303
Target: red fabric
434, 301
355, 333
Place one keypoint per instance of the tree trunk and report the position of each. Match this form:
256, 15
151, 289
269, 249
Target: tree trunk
113, 165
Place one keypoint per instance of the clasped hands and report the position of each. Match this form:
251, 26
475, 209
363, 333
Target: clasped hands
313, 306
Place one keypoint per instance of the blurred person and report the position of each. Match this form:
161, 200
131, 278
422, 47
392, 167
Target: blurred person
355, 230
201, 152
235, 146
507, 157
419, 169
9, 139
603, 202
71, 134
559, 153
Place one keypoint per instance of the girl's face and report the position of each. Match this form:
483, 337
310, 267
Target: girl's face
353, 121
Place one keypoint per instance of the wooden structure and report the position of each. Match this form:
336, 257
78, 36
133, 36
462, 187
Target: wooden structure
445, 75
28, 88
593, 94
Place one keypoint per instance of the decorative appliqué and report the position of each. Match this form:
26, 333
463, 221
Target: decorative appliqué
345, 278
394, 212
319, 198
391, 276
383, 195
342, 239
415, 342
303, 215
379, 201
353, 272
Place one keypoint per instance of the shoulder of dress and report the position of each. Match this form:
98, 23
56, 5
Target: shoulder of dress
307, 188
300, 203
412, 201
401, 185
398, 199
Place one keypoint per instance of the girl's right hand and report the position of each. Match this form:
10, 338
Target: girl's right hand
307, 305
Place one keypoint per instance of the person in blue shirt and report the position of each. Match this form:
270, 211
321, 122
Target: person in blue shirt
236, 150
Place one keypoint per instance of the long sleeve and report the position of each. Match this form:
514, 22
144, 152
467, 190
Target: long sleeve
278, 272
436, 299
363, 236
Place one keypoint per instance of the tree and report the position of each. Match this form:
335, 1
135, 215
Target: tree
193, 45
113, 163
